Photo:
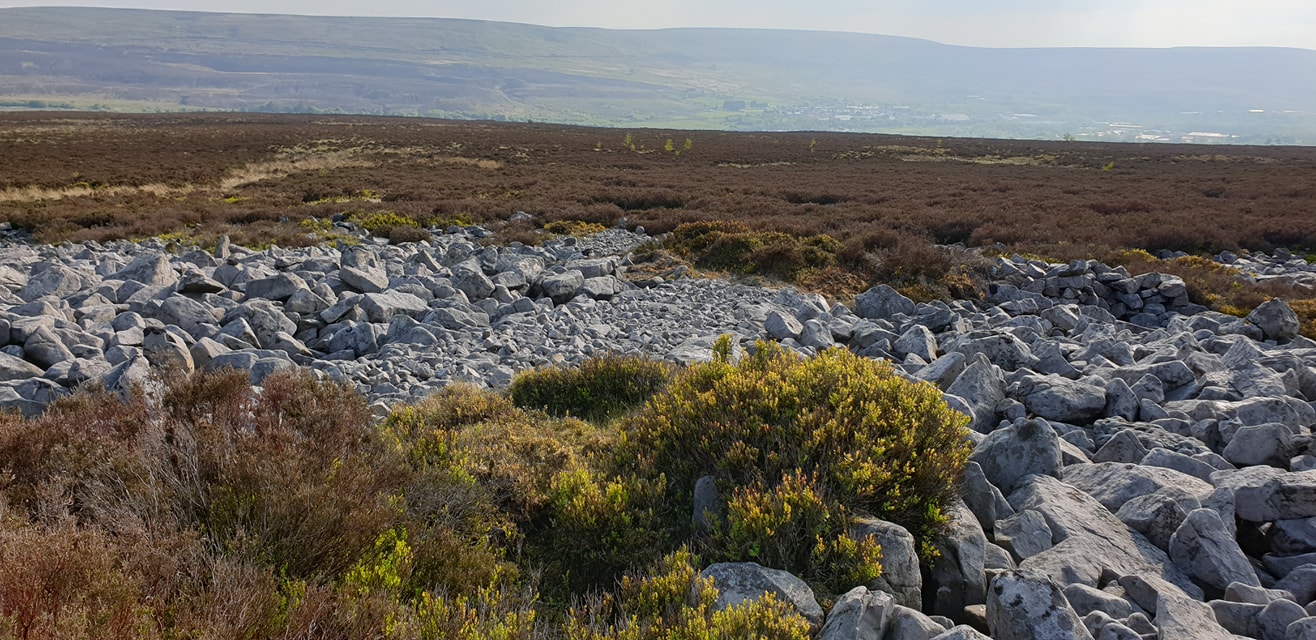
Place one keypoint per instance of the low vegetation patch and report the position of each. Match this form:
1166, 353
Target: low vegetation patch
734, 248
598, 390
213, 512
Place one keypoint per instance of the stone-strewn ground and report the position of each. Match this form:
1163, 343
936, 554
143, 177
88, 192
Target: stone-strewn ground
1143, 468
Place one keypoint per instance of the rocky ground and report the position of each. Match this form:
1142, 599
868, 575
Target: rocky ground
1144, 467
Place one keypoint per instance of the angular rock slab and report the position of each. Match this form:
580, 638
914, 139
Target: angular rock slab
1184, 619
1023, 605
1056, 398
1089, 539
1287, 496
859, 614
1205, 550
1113, 484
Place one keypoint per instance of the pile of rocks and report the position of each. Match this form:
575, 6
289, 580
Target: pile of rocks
1281, 266
398, 322
1143, 466
1147, 300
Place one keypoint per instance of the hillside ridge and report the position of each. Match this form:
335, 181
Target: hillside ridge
701, 78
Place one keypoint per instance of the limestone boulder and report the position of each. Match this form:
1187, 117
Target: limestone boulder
1057, 398
1203, 548
882, 302
1113, 484
1022, 605
901, 576
859, 614
1276, 320
739, 582
1010, 454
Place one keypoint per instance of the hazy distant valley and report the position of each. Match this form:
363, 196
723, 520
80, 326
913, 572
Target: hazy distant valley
735, 79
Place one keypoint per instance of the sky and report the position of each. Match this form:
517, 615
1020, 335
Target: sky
987, 23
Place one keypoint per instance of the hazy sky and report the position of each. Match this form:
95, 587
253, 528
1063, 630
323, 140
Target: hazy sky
995, 23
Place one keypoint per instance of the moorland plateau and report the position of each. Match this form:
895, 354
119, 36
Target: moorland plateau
349, 377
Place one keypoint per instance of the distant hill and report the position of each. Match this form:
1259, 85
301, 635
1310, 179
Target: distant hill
135, 60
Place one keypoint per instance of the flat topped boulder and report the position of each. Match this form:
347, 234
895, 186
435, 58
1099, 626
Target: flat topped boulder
277, 287
1282, 496
364, 279
148, 268
1056, 398
381, 307
1114, 483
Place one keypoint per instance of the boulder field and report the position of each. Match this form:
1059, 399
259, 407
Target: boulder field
1144, 467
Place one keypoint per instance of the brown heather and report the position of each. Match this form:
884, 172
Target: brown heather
831, 212
85, 176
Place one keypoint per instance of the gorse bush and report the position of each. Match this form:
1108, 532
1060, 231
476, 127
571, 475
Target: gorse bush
382, 223
578, 228
796, 446
599, 389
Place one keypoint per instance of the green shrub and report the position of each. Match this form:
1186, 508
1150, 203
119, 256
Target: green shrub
503, 457
382, 223
672, 601
597, 390
796, 446
611, 525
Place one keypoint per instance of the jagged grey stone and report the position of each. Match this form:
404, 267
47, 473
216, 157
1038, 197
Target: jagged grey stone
901, 575
1276, 320
1025, 534
1205, 550
1113, 484
1010, 454
859, 614
1089, 540
958, 579
881, 302
1057, 398
1026, 606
